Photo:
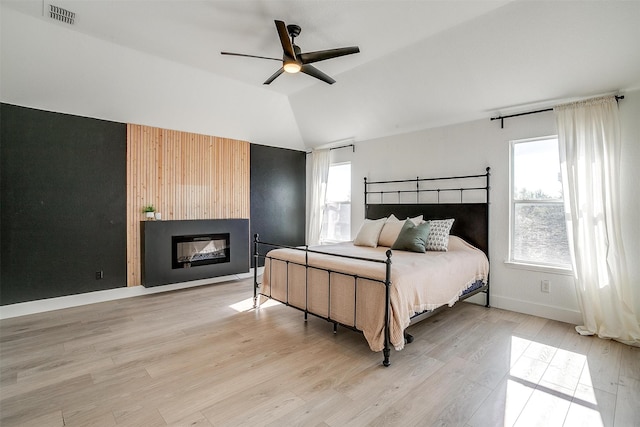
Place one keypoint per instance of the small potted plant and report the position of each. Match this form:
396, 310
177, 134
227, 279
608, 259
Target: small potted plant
149, 211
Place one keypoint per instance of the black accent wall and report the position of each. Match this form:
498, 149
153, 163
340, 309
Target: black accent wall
278, 195
62, 206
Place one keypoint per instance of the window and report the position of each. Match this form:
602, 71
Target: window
538, 229
336, 223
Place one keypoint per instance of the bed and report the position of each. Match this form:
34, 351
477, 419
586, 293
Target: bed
423, 246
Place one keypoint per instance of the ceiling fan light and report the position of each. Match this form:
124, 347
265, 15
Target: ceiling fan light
291, 67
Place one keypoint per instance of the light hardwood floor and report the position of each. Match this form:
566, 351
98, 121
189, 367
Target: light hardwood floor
203, 357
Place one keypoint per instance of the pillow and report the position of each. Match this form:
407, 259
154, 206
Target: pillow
438, 239
392, 228
369, 232
390, 231
417, 220
412, 237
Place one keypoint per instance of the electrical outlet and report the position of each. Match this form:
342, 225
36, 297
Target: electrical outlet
545, 286
99, 275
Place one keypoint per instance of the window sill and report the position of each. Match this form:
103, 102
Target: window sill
540, 268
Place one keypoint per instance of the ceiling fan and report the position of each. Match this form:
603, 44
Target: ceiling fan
293, 60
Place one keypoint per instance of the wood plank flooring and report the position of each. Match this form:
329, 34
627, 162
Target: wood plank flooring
203, 357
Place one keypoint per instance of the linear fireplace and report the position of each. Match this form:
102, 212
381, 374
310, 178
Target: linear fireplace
184, 250
200, 249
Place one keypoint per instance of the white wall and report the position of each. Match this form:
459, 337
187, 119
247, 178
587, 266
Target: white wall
469, 148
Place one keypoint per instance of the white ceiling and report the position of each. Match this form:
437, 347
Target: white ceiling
422, 63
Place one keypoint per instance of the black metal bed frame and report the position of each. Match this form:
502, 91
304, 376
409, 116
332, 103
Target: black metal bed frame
479, 240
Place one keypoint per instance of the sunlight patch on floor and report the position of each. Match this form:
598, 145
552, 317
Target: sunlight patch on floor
516, 397
549, 386
247, 305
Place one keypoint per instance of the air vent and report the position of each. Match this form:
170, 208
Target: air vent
62, 15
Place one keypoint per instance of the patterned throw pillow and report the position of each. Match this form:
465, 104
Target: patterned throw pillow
438, 239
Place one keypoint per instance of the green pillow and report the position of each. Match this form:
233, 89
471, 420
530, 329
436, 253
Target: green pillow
412, 237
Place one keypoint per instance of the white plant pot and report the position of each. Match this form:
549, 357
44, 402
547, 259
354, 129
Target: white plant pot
150, 215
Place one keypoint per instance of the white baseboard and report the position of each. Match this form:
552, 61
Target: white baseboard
50, 304
547, 311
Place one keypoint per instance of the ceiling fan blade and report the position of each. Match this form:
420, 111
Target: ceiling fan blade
314, 72
287, 46
250, 56
274, 76
321, 55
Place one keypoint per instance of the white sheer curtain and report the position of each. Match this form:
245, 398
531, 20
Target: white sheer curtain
589, 139
320, 173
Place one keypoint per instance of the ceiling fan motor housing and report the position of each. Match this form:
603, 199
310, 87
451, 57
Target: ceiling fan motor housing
293, 30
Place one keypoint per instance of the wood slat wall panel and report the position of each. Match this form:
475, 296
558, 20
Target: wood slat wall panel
185, 176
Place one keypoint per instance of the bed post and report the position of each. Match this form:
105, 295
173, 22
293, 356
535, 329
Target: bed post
365, 197
387, 331
256, 240
488, 187
306, 283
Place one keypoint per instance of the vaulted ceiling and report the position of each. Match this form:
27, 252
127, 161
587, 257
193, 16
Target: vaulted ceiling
421, 63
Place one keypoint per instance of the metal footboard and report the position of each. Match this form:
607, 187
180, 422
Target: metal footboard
386, 282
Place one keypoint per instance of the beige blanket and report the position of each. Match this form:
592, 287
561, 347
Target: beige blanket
420, 281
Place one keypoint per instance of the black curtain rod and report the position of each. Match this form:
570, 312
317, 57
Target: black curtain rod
353, 147
337, 148
501, 118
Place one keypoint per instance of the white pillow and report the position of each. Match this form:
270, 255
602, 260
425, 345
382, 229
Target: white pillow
391, 230
438, 239
417, 220
369, 232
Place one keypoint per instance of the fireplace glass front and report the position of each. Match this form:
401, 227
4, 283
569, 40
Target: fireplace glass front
202, 249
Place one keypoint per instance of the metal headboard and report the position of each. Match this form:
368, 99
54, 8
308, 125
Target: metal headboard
471, 218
